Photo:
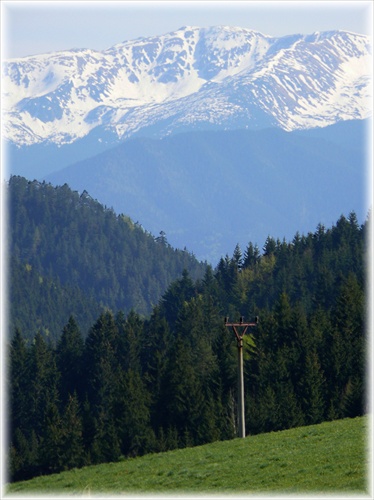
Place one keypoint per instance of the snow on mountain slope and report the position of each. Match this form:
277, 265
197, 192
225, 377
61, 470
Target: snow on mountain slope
218, 77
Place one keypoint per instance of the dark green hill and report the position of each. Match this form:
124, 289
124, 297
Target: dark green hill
71, 255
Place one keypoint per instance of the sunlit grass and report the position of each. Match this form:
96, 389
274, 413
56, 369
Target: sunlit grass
328, 458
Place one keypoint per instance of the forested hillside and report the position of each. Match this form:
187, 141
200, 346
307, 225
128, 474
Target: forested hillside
136, 385
71, 255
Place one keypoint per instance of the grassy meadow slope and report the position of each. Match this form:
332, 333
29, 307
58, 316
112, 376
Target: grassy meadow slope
330, 458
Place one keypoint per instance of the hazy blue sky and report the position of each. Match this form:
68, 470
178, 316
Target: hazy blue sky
45, 26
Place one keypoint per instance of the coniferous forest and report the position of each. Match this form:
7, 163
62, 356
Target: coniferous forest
130, 373
73, 255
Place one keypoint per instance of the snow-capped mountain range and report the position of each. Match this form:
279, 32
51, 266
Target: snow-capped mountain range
194, 78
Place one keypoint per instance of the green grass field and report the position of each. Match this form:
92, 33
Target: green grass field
331, 458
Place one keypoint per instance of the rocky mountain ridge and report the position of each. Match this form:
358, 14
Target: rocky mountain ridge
191, 79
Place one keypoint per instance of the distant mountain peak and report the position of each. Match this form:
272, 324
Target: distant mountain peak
218, 77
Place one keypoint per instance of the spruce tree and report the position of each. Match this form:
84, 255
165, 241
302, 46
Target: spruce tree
349, 345
158, 341
69, 358
18, 390
130, 331
312, 389
50, 449
42, 384
181, 392
72, 451
101, 361
132, 415
178, 292
251, 256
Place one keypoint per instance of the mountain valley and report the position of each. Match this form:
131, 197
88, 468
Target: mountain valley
217, 189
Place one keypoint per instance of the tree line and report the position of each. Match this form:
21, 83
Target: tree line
138, 384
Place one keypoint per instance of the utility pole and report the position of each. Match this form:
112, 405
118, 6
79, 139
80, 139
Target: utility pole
240, 329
